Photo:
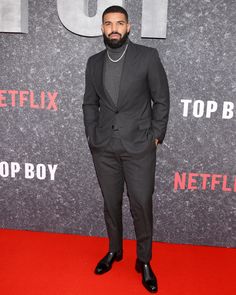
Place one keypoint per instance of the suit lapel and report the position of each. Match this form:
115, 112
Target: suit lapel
99, 70
126, 72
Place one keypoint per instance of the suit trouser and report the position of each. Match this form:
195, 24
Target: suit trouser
114, 166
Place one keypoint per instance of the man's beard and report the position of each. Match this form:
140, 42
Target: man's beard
115, 43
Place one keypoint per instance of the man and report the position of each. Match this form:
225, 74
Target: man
126, 108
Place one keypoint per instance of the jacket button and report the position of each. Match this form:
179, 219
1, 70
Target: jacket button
117, 112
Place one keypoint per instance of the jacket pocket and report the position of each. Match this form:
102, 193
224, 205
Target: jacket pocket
144, 124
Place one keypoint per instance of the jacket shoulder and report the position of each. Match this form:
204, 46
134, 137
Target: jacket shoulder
96, 56
144, 51
143, 48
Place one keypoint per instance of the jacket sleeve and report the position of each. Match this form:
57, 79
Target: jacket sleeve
90, 103
159, 90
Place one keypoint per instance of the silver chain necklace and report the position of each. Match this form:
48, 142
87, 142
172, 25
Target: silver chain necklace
119, 57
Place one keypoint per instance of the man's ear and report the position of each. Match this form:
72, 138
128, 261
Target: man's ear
128, 27
102, 29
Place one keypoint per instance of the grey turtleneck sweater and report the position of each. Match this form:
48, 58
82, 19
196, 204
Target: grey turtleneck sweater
112, 71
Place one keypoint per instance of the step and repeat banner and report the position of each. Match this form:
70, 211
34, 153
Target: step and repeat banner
47, 177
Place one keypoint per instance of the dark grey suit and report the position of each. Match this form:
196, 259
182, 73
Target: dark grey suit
141, 115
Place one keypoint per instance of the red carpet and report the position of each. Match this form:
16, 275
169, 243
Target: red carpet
59, 264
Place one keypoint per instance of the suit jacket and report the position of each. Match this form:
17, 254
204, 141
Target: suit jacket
142, 110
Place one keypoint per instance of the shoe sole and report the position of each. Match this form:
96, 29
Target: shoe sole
118, 258
138, 268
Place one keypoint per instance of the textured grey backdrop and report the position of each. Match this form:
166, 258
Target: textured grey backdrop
198, 55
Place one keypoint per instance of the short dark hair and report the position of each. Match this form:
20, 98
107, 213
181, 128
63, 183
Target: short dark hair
115, 8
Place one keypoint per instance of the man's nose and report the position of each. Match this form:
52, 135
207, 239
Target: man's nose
114, 28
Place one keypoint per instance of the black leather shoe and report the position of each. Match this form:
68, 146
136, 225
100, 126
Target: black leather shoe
105, 264
148, 277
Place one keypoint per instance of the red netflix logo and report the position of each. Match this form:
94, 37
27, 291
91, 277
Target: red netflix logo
204, 181
27, 98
